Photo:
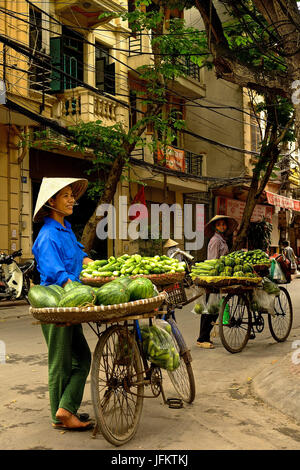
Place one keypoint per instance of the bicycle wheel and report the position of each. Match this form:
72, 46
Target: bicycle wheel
182, 378
235, 332
280, 325
117, 385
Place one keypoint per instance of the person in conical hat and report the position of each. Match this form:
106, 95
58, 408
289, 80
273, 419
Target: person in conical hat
171, 246
218, 228
59, 257
170, 243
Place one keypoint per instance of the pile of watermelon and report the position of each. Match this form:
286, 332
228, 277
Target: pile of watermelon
75, 294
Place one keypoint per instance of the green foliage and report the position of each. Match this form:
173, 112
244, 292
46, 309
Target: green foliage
259, 235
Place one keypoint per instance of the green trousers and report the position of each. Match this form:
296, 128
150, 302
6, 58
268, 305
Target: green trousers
69, 361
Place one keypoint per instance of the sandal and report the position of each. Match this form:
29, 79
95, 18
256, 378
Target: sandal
205, 345
61, 427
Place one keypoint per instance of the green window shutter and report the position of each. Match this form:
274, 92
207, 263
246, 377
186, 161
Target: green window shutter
100, 65
110, 78
56, 60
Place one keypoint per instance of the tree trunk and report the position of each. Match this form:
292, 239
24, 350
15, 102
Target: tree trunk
241, 238
89, 232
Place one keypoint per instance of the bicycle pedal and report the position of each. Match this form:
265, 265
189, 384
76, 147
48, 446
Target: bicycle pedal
174, 403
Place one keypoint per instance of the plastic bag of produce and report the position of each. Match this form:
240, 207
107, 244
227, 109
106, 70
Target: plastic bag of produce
263, 302
270, 287
207, 304
159, 347
276, 273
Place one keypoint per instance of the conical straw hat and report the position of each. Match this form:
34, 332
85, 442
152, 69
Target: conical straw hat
209, 228
51, 186
170, 243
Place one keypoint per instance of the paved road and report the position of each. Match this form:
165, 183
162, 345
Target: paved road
227, 412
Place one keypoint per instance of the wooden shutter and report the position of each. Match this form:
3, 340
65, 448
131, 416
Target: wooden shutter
109, 78
56, 60
100, 64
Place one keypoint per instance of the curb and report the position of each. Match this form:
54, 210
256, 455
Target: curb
279, 385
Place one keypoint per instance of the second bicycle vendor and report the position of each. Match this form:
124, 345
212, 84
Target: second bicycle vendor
59, 258
218, 228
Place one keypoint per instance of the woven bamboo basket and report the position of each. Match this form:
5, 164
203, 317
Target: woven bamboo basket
217, 281
157, 279
76, 315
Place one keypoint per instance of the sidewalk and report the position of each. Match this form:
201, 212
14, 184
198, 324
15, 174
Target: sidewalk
279, 384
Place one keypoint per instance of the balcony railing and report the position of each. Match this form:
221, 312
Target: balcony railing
180, 160
193, 163
190, 69
135, 45
85, 105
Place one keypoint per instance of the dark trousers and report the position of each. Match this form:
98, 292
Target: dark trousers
206, 326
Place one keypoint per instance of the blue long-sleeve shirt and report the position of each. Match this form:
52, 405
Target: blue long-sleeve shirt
58, 254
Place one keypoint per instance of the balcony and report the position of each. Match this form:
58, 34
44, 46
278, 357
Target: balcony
86, 13
81, 105
180, 160
191, 86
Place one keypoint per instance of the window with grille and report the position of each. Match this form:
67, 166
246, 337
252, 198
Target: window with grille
255, 135
105, 71
39, 70
193, 163
66, 54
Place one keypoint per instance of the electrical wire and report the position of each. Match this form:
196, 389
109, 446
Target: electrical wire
100, 93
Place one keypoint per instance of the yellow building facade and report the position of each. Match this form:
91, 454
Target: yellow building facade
98, 59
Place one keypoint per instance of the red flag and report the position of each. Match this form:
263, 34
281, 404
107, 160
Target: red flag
139, 199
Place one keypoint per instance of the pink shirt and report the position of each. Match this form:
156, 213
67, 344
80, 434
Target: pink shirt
217, 247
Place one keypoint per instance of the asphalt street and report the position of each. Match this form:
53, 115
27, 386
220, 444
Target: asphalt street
244, 401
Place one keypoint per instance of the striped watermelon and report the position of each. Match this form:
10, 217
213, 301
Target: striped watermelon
71, 285
58, 289
111, 293
141, 288
77, 297
42, 296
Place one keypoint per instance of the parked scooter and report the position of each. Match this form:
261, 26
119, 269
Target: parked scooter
14, 278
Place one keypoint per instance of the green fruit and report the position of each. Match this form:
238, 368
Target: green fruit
247, 268
77, 297
58, 289
43, 296
228, 271
141, 288
198, 308
229, 262
238, 268
112, 293
72, 285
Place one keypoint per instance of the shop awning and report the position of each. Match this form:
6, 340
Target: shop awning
282, 201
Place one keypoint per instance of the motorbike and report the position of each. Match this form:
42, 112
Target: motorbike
15, 278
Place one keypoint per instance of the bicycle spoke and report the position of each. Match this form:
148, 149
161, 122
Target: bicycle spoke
118, 361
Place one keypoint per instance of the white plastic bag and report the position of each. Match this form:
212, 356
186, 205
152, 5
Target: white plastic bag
276, 273
209, 306
263, 302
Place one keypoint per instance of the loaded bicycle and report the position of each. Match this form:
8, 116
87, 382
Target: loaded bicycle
122, 374
241, 317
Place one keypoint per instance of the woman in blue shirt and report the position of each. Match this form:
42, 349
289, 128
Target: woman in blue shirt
59, 258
